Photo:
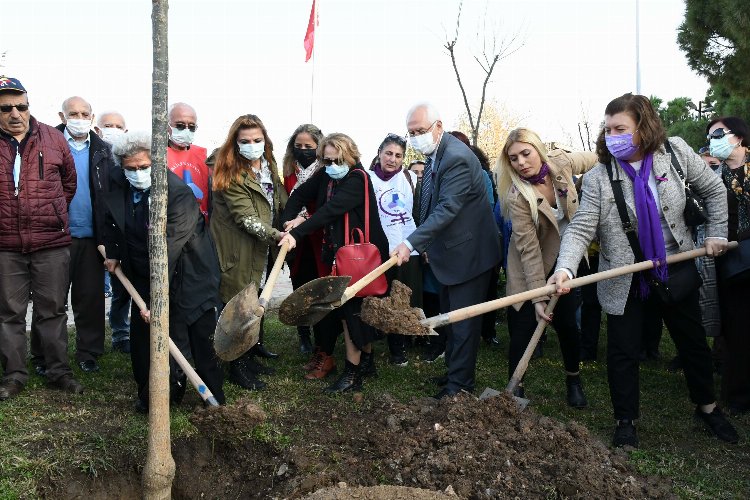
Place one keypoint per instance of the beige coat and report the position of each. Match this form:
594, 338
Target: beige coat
534, 247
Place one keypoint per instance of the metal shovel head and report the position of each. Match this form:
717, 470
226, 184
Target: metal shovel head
310, 303
238, 327
489, 392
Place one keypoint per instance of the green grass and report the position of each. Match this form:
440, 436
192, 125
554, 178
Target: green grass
46, 434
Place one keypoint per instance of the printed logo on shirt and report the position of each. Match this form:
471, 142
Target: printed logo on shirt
391, 205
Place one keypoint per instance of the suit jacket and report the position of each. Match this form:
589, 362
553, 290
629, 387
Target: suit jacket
534, 247
459, 233
598, 216
193, 266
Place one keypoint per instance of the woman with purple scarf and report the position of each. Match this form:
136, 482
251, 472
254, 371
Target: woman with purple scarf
539, 197
636, 158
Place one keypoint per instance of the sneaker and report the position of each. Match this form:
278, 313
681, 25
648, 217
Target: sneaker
10, 388
66, 383
326, 366
718, 424
107, 295
399, 359
122, 346
89, 366
432, 355
625, 434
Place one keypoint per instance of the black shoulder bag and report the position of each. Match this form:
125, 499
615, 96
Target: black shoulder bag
683, 276
695, 212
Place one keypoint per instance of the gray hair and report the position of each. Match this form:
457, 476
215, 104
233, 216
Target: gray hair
71, 98
433, 114
102, 116
131, 144
180, 104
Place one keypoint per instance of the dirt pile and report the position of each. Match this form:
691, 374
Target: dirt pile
229, 423
394, 314
383, 492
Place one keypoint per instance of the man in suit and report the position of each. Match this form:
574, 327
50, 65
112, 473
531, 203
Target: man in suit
458, 235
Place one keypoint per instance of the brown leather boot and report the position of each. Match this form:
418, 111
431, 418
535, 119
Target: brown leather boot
314, 360
326, 366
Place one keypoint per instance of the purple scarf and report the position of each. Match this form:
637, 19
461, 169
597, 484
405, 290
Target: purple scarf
383, 175
650, 236
538, 178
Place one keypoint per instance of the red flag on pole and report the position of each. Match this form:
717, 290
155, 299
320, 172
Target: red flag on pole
310, 35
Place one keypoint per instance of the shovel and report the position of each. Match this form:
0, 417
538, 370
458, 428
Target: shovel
193, 377
478, 309
312, 301
523, 364
238, 327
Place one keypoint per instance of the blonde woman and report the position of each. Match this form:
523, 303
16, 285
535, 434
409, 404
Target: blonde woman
538, 195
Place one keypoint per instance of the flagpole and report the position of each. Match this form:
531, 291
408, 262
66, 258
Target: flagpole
312, 75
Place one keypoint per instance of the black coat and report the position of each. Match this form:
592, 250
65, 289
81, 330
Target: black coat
348, 198
101, 162
459, 233
193, 266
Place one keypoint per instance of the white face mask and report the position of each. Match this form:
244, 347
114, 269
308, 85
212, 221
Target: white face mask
112, 134
182, 137
139, 179
252, 150
78, 128
423, 143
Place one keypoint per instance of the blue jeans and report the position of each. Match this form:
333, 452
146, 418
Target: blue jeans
107, 283
118, 313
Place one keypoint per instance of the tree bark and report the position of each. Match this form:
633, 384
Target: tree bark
159, 470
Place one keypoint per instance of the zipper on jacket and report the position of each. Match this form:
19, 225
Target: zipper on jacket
41, 166
59, 219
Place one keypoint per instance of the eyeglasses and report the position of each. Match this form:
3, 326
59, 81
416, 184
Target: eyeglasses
421, 132
7, 108
395, 138
719, 133
703, 150
328, 162
182, 126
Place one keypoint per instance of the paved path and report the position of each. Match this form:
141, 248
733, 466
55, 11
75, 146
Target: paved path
280, 292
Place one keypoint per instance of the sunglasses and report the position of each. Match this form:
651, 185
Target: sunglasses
7, 108
327, 162
182, 126
396, 138
719, 133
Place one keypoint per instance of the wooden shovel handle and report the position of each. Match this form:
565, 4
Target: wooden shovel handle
368, 278
485, 307
192, 376
523, 364
271, 280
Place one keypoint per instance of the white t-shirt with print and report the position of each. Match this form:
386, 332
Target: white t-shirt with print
395, 200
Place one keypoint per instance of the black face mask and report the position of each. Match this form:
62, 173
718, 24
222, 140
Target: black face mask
305, 157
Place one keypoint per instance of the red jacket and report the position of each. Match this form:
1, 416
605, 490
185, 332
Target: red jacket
38, 217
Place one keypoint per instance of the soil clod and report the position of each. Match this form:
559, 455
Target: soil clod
394, 314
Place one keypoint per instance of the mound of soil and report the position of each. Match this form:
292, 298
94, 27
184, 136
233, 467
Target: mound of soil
377, 493
394, 312
474, 449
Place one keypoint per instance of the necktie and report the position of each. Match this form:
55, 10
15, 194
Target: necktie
424, 201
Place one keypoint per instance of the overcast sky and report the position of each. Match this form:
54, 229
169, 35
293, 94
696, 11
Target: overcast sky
373, 60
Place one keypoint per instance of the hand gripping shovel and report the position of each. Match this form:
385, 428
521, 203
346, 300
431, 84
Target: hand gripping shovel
311, 302
238, 327
485, 307
523, 364
193, 377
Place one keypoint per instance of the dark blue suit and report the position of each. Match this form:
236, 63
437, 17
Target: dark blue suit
460, 237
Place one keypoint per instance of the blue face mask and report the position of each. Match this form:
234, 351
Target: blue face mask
721, 148
337, 171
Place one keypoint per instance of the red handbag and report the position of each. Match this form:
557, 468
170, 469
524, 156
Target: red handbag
358, 259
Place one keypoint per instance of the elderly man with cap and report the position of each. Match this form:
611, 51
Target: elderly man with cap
37, 182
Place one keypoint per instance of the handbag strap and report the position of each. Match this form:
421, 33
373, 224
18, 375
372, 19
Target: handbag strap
676, 163
411, 182
367, 213
627, 225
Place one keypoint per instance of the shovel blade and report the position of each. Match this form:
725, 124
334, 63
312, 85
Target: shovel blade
489, 392
238, 328
310, 303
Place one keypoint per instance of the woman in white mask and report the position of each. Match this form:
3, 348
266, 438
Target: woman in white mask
729, 140
337, 190
248, 198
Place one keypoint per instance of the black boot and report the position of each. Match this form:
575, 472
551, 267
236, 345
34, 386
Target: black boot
350, 380
259, 349
305, 344
177, 385
367, 364
241, 374
576, 397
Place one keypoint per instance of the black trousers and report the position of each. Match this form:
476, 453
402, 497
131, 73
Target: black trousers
463, 337
489, 319
735, 382
624, 335
431, 302
591, 310
522, 323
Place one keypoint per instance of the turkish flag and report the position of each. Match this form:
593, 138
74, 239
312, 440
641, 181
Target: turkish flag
310, 35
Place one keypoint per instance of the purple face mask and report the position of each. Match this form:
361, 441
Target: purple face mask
621, 146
